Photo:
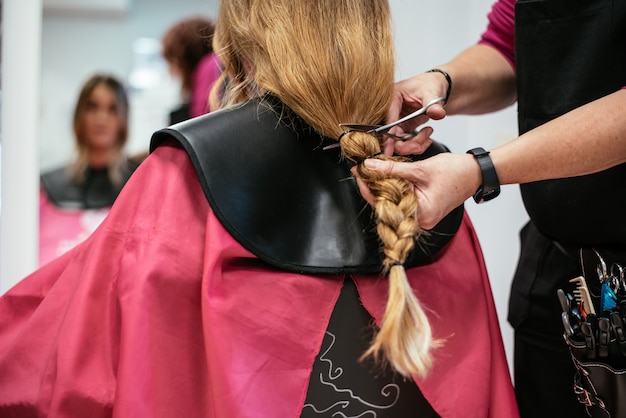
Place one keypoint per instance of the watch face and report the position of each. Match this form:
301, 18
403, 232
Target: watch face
491, 194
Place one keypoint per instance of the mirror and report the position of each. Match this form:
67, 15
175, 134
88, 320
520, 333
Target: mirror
118, 36
121, 38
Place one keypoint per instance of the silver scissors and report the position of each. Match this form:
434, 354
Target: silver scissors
384, 129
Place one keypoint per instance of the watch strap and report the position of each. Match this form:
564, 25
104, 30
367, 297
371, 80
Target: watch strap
490, 187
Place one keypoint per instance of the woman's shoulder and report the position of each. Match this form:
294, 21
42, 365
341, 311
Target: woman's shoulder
55, 178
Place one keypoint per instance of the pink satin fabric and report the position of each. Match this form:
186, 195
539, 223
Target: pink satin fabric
161, 313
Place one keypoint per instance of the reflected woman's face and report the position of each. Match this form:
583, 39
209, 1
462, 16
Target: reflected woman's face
101, 119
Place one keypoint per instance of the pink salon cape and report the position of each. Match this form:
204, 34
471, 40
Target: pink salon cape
161, 313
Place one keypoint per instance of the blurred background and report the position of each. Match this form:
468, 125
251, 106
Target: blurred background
50, 47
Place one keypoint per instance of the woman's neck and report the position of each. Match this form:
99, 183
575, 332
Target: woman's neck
101, 158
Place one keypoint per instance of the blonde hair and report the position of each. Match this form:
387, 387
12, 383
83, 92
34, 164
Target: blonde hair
332, 61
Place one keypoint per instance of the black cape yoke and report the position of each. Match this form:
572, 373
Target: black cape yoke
98, 191
282, 197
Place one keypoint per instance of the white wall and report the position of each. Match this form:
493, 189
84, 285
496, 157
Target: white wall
21, 67
427, 34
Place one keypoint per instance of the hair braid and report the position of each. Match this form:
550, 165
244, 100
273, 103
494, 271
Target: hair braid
405, 337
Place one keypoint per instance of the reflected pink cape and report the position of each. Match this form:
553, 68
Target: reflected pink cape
62, 229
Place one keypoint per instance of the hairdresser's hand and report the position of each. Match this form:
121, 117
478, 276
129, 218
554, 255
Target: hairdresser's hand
414, 146
411, 94
441, 183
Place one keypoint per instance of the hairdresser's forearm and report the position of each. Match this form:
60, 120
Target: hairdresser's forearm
483, 81
586, 140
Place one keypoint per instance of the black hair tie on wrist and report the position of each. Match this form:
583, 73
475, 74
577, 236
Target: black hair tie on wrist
448, 78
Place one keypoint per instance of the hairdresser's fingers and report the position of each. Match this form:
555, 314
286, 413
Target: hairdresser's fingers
398, 169
436, 111
413, 146
427, 215
389, 146
416, 145
363, 189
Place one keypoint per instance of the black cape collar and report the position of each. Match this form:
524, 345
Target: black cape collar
282, 197
97, 192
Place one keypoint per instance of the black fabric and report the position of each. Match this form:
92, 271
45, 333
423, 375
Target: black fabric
600, 382
283, 197
340, 385
599, 387
568, 53
96, 192
180, 114
543, 368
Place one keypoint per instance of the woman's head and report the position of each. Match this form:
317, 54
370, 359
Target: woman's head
184, 45
101, 114
332, 62
100, 127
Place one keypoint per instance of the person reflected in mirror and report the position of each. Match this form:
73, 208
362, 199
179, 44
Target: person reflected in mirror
76, 197
187, 48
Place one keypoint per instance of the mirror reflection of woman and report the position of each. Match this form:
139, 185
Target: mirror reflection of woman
76, 197
188, 50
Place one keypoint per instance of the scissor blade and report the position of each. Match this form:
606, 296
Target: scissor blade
361, 127
419, 112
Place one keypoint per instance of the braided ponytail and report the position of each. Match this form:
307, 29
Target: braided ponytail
405, 336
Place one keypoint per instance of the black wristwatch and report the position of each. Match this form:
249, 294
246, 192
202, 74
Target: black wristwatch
490, 189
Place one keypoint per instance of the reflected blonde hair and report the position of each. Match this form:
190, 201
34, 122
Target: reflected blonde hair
332, 61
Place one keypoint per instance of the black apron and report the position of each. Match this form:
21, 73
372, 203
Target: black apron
568, 53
